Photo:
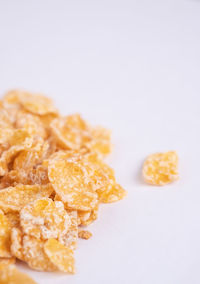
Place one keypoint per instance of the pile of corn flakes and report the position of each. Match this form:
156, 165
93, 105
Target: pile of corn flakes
52, 179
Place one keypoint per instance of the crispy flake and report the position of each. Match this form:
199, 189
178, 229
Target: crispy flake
61, 256
15, 198
44, 219
161, 168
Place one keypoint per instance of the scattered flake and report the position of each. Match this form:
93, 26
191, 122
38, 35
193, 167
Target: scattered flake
61, 256
161, 168
83, 234
15, 198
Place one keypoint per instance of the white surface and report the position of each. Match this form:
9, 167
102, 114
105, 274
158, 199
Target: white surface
134, 67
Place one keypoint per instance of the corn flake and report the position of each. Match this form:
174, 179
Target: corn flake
61, 256
71, 132
71, 182
45, 219
34, 103
15, 198
101, 141
161, 168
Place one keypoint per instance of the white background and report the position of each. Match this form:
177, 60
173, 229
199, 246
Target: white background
133, 66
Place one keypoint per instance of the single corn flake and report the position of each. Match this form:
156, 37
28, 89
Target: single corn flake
44, 219
15, 198
161, 168
38, 104
10, 275
18, 141
34, 103
71, 132
83, 234
61, 256
71, 183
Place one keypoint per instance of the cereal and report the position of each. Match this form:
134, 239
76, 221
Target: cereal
37, 104
10, 275
31, 123
112, 194
16, 243
83, 234
15, 198
101, 141
70, 238
85, 218
60, 255
13, 218
52, 182
5, 232
161, 168
44, 219
5, 121
71, 132
71, 182
35, 256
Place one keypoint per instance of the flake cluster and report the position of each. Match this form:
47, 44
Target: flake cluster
52, 179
